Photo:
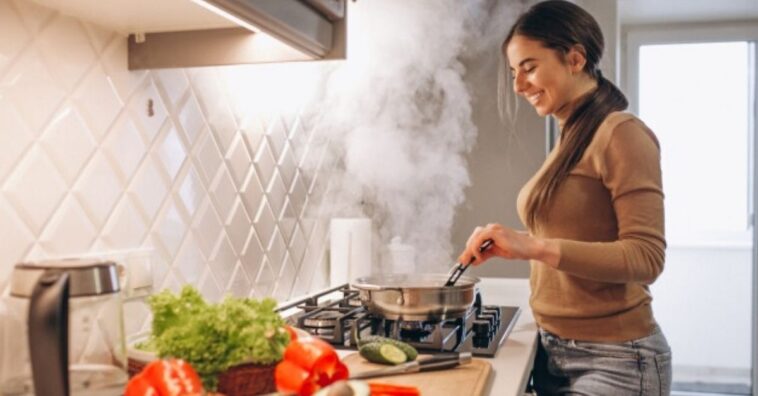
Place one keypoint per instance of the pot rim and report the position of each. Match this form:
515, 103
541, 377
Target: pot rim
395, 282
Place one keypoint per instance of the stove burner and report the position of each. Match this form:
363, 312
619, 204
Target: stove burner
481, 330
325, 332
415, 325
322, 320
415, 335
354, 302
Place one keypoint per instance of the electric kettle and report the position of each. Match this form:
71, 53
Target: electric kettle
63, 332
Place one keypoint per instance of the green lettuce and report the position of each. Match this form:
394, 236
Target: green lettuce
214, 337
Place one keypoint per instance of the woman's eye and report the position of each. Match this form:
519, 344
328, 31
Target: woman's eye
531, 69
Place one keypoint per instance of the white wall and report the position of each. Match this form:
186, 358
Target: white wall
504, 156
213, 187
707, 320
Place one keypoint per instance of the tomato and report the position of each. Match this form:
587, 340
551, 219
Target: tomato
165, 378
309, 364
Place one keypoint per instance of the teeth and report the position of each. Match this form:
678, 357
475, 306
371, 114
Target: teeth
535, 97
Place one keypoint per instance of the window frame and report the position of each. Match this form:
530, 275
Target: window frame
635, 36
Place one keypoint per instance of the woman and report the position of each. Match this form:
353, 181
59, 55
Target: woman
594, 214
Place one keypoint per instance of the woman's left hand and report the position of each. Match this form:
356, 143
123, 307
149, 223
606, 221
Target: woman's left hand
509, 244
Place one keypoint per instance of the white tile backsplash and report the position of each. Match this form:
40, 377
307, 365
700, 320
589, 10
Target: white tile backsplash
98, 188
68, 142
35, 189
238, 225
97, 158
97, 99
70, 231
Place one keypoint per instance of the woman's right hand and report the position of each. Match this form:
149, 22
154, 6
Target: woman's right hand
509, 244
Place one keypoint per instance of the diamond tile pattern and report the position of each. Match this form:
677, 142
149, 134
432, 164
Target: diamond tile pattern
35, 189
68, 143
97, 157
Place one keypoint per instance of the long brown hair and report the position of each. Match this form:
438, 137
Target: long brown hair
560, 25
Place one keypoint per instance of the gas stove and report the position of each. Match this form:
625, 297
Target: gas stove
336, 315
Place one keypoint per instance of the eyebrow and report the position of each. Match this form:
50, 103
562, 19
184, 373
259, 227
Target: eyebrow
524, 61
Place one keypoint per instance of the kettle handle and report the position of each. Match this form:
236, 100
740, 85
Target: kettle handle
48, 334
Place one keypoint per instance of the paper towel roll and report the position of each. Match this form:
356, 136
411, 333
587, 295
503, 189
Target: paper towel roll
350, 249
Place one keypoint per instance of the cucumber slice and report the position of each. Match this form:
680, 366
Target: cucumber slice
409, 350
393, 354
383, 353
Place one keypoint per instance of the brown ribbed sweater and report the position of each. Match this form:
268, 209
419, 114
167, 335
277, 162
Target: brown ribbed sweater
607, 217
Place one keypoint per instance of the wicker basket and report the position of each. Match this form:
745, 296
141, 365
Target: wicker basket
241, 380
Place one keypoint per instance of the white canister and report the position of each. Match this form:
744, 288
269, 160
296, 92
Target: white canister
401, 257
350, 249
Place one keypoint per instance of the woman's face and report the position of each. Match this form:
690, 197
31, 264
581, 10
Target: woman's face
541, 76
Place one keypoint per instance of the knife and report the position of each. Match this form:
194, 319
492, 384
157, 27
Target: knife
438, 362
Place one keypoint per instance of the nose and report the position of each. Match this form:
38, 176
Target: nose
519, 83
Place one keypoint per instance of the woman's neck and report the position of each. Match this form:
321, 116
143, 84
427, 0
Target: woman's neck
584, 88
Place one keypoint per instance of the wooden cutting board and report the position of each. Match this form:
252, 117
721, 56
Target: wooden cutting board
469, 379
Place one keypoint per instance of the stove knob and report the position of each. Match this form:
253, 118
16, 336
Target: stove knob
482, 329
481, 342
491, 309
490, 319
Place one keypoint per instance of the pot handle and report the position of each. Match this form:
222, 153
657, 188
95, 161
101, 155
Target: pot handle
48, 334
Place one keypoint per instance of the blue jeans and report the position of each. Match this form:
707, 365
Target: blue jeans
639, 367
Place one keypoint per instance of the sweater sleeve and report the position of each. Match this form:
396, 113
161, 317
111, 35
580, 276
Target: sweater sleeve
630, 169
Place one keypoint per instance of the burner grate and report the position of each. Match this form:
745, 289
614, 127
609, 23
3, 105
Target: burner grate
337, 316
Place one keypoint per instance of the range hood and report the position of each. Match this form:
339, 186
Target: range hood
189, 33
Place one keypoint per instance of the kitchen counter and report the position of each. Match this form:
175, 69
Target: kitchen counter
513, 363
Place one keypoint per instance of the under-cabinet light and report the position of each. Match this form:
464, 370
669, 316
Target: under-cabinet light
215, 9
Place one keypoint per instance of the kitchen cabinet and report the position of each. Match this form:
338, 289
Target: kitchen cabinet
189, 33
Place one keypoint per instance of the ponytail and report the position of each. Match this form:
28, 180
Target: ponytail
576, 136
560, 25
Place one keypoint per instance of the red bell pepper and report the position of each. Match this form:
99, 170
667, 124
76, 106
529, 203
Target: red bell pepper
384, 389
171, 377
309, 364
292, 333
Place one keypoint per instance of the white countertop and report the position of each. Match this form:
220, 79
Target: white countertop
513, 363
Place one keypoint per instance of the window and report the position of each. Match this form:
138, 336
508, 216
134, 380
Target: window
695, 97
695, 87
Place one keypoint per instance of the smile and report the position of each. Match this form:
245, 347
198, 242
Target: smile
533, 98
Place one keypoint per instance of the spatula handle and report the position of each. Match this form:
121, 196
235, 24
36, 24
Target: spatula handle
460, 267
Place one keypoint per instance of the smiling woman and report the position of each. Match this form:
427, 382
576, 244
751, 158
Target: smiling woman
593, 213
546, 77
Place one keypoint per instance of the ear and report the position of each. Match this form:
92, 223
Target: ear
576, 58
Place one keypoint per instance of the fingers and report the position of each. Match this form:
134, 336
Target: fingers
473, 235
466, 256
471, 254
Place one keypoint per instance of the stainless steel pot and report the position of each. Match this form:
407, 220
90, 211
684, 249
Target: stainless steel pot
416, 296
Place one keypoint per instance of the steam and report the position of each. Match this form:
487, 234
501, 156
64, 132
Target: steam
397, 118
392, 124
